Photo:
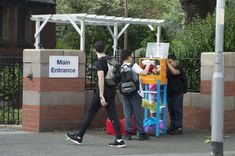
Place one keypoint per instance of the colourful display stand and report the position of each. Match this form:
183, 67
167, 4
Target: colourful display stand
151, 78
160, 105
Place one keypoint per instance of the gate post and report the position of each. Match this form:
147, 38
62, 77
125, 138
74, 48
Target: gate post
51, 104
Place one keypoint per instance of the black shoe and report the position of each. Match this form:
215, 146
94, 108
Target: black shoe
74, 138
128, 136
170, 130
118, 143
178, 131
143, 136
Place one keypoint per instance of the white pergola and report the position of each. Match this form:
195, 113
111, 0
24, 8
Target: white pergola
96, 20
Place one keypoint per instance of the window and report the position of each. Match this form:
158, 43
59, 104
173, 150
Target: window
24, 29
3, 24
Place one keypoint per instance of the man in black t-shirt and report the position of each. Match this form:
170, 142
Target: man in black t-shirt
104, 95
175, 94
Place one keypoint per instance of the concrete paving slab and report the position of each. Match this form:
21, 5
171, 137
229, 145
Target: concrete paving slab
95, 143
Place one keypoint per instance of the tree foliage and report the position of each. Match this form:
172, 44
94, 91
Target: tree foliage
187, 39
69, 37
194, 8
198, 37
137, 8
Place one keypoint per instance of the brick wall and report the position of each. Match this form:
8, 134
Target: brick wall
197, 105
199, 118
59, 104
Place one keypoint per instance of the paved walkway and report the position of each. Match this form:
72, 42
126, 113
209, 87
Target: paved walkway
18, 143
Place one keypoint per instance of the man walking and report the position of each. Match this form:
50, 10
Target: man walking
104, 96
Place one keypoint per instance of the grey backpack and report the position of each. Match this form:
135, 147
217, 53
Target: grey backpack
113, 77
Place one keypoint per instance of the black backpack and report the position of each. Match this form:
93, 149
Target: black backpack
113, 76
129, 84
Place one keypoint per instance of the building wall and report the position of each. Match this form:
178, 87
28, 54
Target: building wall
17, 24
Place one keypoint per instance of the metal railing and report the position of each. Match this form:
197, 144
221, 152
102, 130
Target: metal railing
192, 70
90, 72
191, 67
11, 73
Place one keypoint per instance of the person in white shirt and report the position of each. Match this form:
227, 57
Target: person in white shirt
132, 104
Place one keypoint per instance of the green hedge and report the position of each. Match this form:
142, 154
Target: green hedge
10, 81
198, 37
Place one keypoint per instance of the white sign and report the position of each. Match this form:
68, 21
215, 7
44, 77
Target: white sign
63, 66
157, 50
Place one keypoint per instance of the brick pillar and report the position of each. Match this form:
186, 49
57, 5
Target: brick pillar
51, 104
197, 105
207, 70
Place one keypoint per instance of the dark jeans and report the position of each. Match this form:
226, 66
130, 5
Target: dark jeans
109, 94
175, 108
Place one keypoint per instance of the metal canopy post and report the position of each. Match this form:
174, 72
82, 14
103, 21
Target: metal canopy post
82, 37
115, 39
74, 25
37, 37
151, 27
115, 35
38, 29
123, 30
93, 19
158, 34
110, 31
81, 31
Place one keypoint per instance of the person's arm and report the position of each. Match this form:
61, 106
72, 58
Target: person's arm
100, 74
139, 70
145, 71
172, 69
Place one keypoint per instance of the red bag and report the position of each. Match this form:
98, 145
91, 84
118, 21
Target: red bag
110, 129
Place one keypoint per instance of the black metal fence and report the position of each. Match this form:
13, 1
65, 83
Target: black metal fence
11, 74
90, 73
191, 67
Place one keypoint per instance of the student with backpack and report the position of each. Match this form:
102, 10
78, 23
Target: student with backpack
176, 87
130, 89
104, 96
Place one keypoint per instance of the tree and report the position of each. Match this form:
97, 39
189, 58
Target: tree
69, 37
197, 8
152, 9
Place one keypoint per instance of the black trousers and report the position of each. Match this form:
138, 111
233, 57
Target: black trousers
175, 108
109, 94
